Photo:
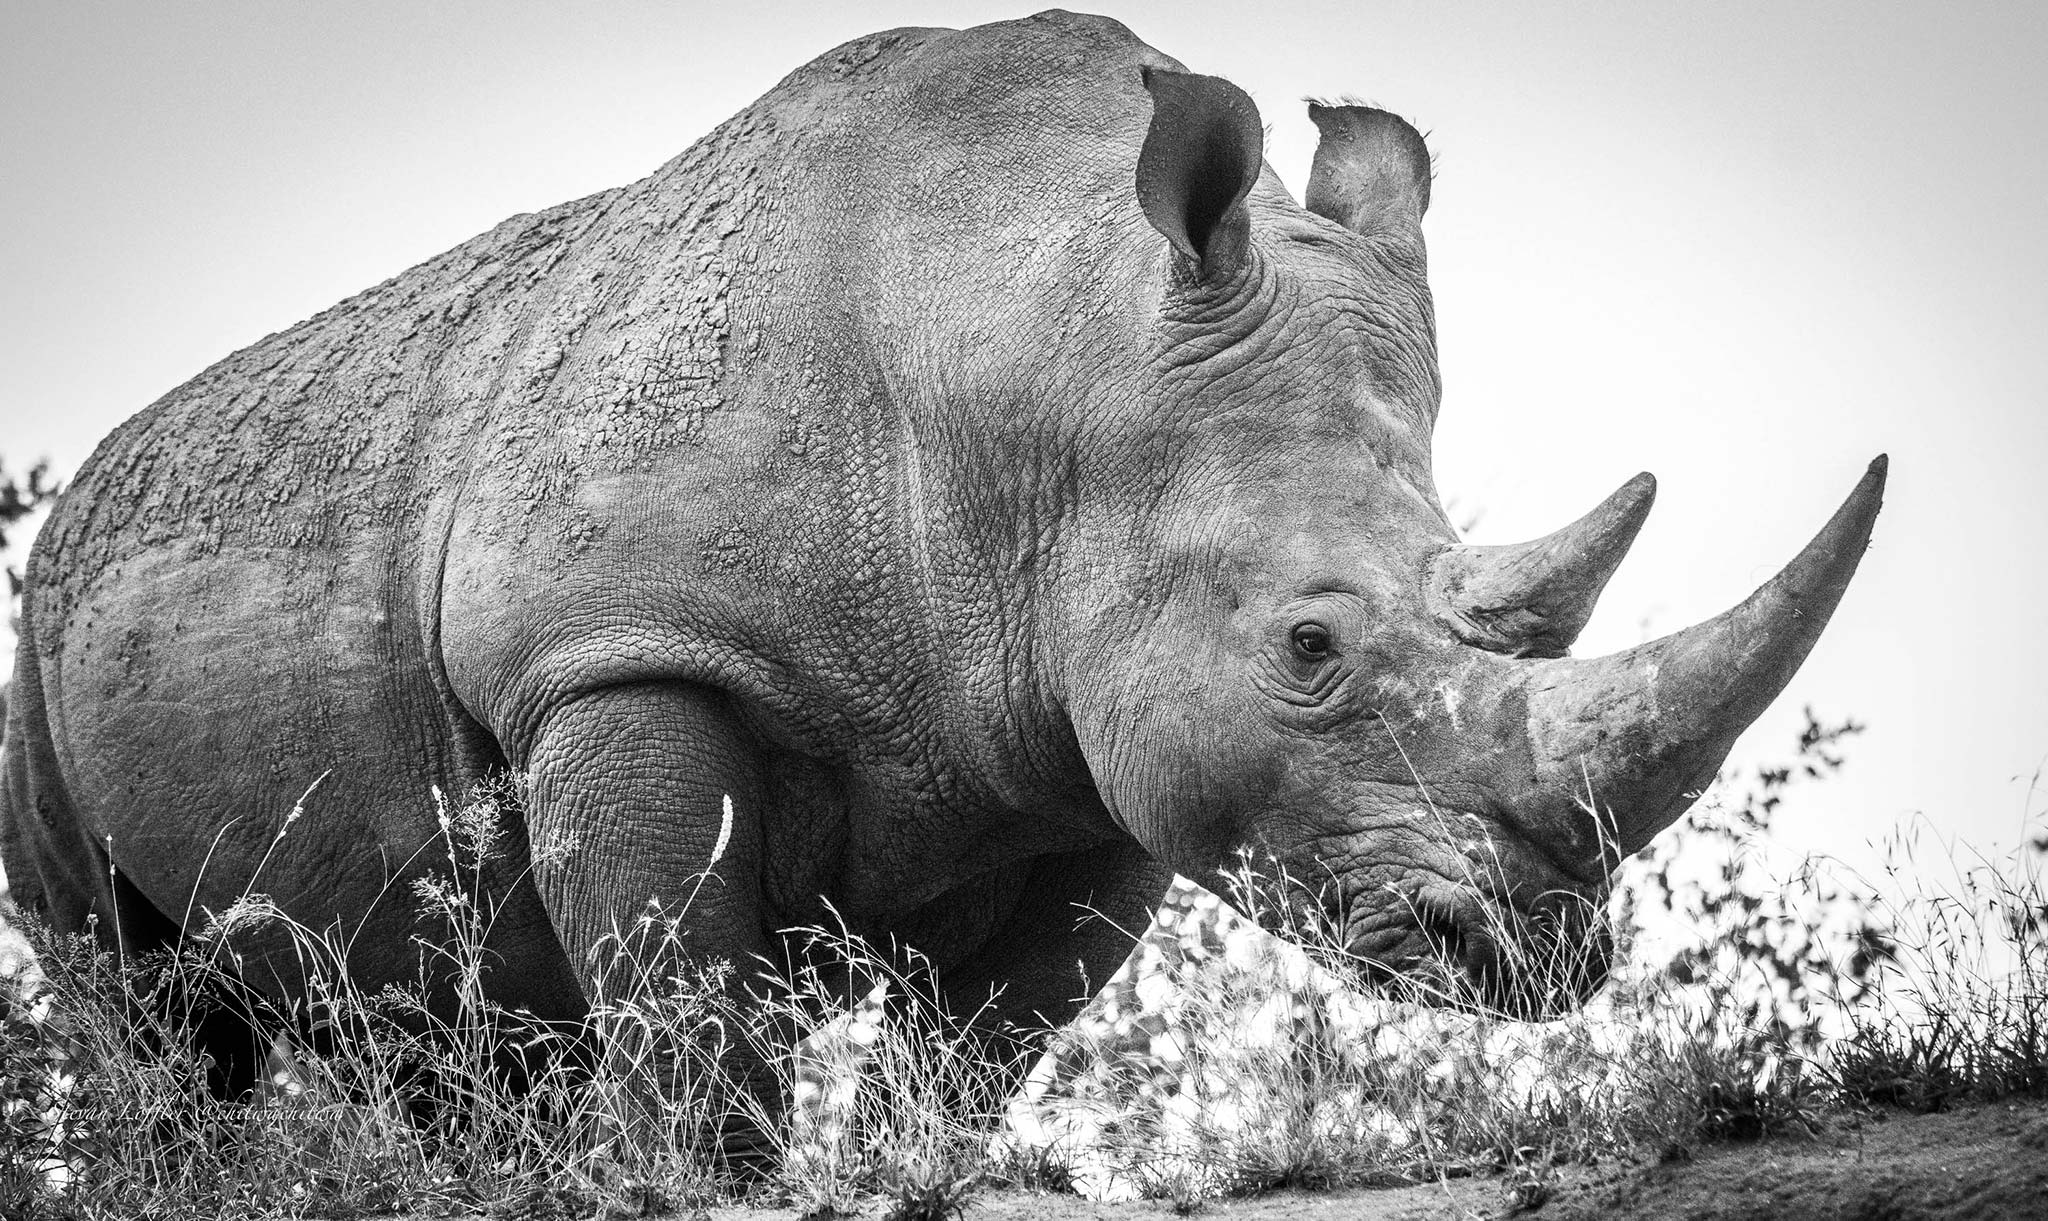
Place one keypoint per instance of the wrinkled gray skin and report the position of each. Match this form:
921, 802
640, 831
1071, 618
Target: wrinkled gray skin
969, 458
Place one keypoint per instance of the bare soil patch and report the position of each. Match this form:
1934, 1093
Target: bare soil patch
1981, 1164
1986, 1163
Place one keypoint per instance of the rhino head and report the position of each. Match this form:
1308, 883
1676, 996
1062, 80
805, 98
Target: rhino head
1301, 661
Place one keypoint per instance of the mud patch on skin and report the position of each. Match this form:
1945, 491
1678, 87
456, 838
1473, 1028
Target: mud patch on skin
627, 356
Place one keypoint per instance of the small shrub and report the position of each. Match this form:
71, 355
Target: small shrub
919, 1191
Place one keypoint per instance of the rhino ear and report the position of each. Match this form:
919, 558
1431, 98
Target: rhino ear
1202, 154
1371, 168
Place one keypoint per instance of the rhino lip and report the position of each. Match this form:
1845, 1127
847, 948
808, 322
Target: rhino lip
1468, 953
1449, 940
1429, 931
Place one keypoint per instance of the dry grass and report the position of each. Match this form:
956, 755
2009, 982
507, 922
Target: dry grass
1747, 1003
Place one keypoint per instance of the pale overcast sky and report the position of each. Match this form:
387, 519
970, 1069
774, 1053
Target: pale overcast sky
1745, 246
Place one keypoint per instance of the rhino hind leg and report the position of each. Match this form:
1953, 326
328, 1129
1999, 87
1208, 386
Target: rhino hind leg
59, 876
57, 872
229, 1023
54, 872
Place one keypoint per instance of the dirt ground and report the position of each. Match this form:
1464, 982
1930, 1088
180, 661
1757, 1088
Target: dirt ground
1980, 1164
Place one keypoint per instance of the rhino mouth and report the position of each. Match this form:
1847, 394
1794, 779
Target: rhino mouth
1466, 952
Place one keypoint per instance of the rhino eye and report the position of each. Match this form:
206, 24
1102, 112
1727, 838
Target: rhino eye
1311, 641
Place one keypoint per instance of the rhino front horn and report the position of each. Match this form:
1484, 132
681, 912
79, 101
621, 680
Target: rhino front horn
1639, 733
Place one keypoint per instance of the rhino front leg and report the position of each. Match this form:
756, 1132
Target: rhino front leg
628, 792
629, 786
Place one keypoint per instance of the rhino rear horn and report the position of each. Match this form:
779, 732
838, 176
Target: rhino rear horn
1371, 168
1532, 599
1202, 154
